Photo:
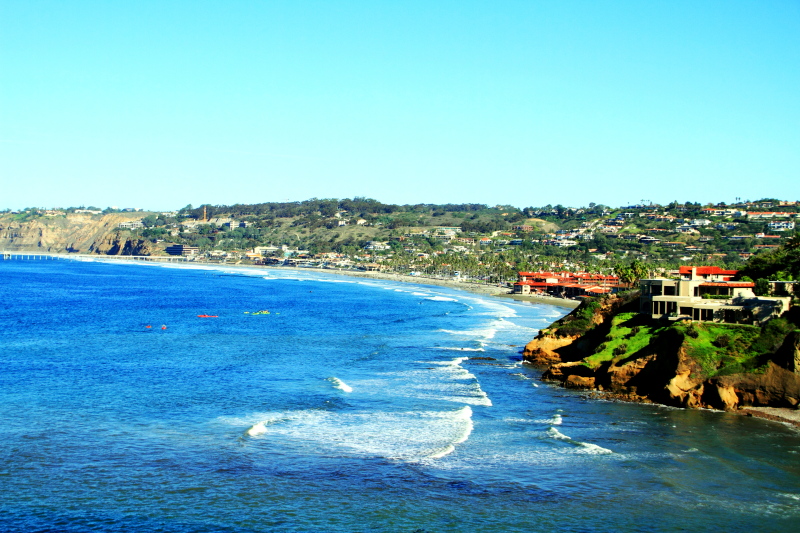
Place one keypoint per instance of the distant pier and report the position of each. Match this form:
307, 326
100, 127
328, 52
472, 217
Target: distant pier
46, 256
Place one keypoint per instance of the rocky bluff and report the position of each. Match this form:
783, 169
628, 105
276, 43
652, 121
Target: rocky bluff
82, 233
606, 345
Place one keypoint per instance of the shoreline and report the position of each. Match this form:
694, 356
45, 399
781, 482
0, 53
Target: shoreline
783, 415
499, 291
776, 414
477, 288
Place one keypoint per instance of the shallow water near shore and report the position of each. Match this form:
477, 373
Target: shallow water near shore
354, 405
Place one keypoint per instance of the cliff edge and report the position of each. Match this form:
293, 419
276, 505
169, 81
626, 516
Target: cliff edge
71, 233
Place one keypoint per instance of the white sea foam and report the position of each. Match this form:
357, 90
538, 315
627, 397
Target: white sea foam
490, 329
438, 381
341, 385
582, 447
257, 429
554, 420
438, 454
464, 417
493, 308
486, 333
457, 349
556, 434
410, 436
592, 449
441, 299
420, 294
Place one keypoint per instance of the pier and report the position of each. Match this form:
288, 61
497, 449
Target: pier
47, 256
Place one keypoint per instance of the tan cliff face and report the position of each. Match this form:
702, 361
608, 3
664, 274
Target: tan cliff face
71, 233
549, 348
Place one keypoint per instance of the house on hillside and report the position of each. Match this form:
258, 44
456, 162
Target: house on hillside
707, 294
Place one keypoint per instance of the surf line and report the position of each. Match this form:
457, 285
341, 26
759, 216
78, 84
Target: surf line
463, 415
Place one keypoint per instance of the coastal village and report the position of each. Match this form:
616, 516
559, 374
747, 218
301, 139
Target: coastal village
635, 276
469, 242
688, 254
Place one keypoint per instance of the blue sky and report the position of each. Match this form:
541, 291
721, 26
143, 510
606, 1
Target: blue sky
158, 104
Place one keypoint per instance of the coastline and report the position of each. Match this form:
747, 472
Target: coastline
776, 414
478, 288
783, 415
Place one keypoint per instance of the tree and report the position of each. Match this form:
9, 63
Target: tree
630, 274
762, 287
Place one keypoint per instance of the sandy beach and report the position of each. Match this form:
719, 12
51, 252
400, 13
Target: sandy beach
777, 414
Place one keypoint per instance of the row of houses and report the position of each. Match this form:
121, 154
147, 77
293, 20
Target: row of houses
565, 284
703, 294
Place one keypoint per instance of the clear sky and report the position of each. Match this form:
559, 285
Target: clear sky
162, 103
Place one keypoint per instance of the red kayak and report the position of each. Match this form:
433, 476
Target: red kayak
208, 316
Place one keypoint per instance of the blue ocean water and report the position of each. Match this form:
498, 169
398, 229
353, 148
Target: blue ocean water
354, 405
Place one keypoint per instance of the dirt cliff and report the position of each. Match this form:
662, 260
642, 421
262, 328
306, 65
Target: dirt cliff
84, 233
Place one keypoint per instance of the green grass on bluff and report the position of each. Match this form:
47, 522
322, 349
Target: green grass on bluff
630, 333
718, 349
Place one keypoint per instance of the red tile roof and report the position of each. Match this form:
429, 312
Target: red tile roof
707, 270
735, 284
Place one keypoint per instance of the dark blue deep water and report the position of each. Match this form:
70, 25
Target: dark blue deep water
353, 406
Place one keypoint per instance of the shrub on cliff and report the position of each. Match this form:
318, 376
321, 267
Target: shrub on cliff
591, 312
722, 341
773, 333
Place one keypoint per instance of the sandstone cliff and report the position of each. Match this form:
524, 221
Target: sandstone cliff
672, 364
82, 233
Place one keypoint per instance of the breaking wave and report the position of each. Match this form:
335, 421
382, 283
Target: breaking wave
341, 385
583, 447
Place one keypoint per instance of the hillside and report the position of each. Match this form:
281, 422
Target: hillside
486, 243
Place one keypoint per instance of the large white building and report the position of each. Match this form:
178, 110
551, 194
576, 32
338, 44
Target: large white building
707, 294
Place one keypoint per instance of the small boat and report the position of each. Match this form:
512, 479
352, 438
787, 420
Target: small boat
263, 312
208, 316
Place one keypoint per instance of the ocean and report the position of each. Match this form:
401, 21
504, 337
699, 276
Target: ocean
352, 405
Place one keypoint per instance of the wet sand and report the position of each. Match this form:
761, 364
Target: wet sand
777, 414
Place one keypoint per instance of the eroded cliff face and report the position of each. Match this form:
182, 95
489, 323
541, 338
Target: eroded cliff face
117, 244
82, 233
664, 373
552, 346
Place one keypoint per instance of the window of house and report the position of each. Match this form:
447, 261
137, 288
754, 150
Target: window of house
656, 290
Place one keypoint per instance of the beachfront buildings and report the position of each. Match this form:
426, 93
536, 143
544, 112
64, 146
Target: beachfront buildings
182, 249
565, 284
708, 294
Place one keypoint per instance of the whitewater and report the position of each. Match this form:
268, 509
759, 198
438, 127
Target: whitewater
354, 405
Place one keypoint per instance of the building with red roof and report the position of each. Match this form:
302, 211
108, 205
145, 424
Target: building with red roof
707, 294
565, 284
